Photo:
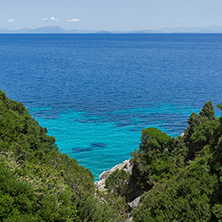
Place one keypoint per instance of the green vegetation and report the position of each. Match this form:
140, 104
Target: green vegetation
117, 182
178, 179
219, 106
38, 183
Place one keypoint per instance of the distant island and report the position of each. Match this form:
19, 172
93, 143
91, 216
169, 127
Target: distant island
60, 30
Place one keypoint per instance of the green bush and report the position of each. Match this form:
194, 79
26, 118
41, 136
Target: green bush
37, 182
180, 179
185, 180
118, 182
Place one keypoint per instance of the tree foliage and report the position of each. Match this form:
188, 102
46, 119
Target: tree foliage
37, 182
180, 179
192, 188
219, 106
117, 182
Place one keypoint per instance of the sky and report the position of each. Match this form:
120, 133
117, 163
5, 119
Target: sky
110, 15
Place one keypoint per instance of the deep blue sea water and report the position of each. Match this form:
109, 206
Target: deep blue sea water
95, 93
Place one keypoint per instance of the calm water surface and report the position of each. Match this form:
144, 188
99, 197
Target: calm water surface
95, 93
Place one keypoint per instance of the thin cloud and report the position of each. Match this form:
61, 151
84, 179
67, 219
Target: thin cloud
53, 19
45, 19
11, 20
74, 20
181, 20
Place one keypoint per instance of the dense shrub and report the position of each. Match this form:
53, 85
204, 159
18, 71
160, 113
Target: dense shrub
37, 182
180, 179
118, 182
187, 186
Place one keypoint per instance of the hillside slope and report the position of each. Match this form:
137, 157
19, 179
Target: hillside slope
178, 179
175, 179
37, 182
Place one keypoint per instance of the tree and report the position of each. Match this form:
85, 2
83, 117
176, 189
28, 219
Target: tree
219, 106
208, 111
197, 123
152, 138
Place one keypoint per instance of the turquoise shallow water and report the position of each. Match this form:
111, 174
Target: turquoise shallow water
98, 143
95, 93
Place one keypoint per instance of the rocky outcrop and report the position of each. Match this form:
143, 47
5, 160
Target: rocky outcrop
135, 203
135, 192
182, 134
127, 165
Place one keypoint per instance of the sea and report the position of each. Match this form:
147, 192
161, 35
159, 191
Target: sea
95, 93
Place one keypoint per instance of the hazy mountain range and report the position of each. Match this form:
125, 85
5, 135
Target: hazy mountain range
58, 29
49, 29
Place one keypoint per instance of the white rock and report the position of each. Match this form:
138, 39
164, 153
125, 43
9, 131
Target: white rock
126, 165
135, 203
182, 134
